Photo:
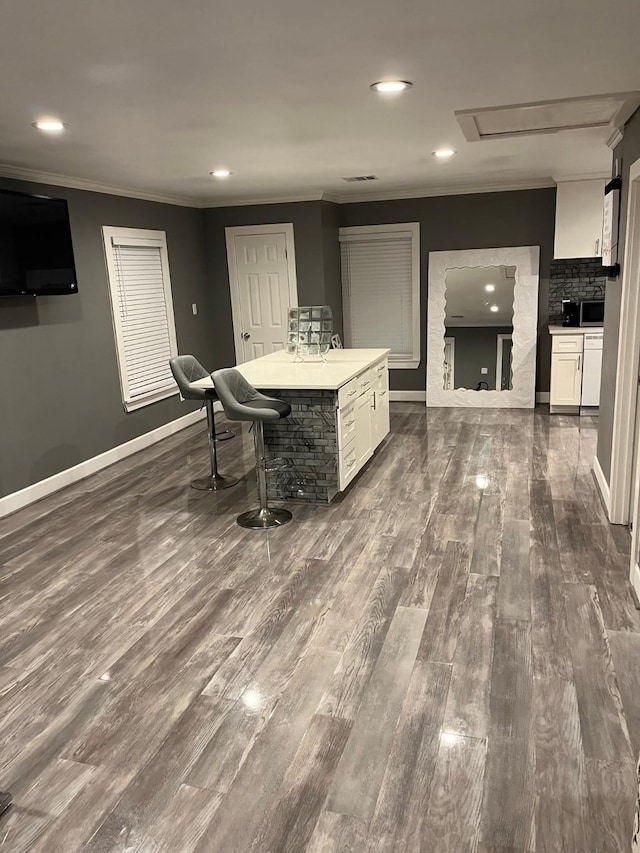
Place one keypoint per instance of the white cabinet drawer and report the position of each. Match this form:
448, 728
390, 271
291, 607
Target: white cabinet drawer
367, 381
347, 464
567, 343
381, 373
349, 393
346, 425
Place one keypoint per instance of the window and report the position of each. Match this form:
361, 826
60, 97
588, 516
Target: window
381, 289
142, 312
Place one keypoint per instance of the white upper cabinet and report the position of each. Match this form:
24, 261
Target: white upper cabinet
579, 206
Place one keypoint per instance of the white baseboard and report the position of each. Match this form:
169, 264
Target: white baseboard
407, 396
30, 494
603, 486
543, 397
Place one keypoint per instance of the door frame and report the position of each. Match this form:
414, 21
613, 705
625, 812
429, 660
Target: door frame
626, 395
501, 339
449, 339
231, 233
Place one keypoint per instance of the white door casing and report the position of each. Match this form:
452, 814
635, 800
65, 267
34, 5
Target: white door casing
449, 363
263, 285
499, 356
624, 411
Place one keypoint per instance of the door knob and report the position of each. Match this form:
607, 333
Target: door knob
245, 336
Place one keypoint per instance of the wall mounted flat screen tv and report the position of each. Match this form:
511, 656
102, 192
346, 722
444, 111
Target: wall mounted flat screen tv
36, 252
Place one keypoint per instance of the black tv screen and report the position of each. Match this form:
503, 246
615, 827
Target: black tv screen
36, 253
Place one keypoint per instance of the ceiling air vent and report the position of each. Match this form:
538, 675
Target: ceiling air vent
355, 178
604, 111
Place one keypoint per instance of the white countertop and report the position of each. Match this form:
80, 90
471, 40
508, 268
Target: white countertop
575, 330
278, 370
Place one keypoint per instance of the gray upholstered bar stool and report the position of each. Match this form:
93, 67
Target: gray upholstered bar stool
186, 370
241, 402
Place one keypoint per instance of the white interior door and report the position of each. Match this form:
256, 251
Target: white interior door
263, 287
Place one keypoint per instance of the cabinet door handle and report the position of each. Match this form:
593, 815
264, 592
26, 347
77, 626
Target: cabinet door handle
598, 246
579, 362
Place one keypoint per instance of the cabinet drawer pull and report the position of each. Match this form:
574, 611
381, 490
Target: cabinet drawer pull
365, 383
382, 393
380, 369
350, 423
351, 393
351, 464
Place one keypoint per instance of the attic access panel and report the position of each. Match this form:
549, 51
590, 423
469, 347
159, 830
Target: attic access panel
592, 111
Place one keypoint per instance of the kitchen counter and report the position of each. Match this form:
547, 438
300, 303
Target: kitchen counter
280, 370
575, 330
339, 416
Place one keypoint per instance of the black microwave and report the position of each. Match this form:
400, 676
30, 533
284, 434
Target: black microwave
592, 312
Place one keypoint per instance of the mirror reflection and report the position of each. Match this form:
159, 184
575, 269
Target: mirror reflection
478, 328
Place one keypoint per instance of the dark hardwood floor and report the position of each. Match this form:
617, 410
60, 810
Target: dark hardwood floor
446, 659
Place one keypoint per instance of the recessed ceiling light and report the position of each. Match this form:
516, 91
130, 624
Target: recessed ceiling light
444, 153
489, 288
49, 125
391, 87
495, 309
220, 173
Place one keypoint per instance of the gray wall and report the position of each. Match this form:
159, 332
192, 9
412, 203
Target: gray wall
476, 347
315, 232
627, 152
330, 217
482, 221
59, 386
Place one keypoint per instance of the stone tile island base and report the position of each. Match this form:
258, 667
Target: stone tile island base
307, 440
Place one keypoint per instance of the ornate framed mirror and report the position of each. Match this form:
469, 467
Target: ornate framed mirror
482, 327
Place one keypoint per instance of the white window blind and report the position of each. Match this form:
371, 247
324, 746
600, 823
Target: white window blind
142, 313
380, 287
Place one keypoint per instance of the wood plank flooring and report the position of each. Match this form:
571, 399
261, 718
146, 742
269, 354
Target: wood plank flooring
446, 659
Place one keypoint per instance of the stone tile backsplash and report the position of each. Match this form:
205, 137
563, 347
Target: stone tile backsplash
576, 279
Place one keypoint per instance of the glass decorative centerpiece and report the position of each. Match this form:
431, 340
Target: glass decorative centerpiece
310, 330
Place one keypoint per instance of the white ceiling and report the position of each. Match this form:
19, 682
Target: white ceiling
467, 303
158, 93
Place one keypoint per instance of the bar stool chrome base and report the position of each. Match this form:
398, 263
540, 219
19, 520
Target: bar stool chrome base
262, 519
214, 483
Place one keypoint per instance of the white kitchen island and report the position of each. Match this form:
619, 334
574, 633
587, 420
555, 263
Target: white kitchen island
340, 415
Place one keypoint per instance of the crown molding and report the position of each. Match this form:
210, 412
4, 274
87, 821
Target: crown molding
276, 199
21, 174
615, 137
584, 176
454, 189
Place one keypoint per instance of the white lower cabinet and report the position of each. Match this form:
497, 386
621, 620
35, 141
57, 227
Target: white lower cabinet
347, 464
566, 379
380, 416
566, 370
363, 409
362, 420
